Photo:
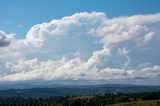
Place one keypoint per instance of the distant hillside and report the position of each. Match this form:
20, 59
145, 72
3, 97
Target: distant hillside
73, 90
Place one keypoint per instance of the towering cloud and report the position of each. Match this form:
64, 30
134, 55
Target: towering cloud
84, 46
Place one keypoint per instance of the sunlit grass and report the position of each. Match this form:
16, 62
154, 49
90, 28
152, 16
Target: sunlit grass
140, 103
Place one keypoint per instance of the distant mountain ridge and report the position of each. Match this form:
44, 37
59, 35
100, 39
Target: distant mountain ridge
28, 86
43, 91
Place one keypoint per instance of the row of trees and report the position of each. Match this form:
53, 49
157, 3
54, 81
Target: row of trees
79, 101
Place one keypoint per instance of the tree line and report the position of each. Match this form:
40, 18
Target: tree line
97, 100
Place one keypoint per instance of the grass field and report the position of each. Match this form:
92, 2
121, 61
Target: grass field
140, 103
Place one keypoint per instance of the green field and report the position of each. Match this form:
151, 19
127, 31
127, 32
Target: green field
140, 103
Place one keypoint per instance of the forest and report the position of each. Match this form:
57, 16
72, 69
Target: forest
107, 99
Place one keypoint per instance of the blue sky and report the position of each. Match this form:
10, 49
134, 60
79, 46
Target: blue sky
107, 41
18, 16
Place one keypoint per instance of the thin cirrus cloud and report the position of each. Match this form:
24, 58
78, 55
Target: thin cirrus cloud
83, 46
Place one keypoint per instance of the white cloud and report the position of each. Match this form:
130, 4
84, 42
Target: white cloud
78, 23
148, 37
123, 29
42, 55
143, 65
122, 52
22, 65
128, 61
147, 72
97, 56
75, 70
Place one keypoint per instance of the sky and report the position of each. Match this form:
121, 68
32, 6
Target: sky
80, 42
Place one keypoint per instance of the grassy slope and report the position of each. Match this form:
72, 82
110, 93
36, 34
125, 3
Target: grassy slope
139, 103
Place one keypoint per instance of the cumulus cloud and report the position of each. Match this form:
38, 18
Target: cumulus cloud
65, 49
77, 24
123, 29
75, 70
5, 39
22, 65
